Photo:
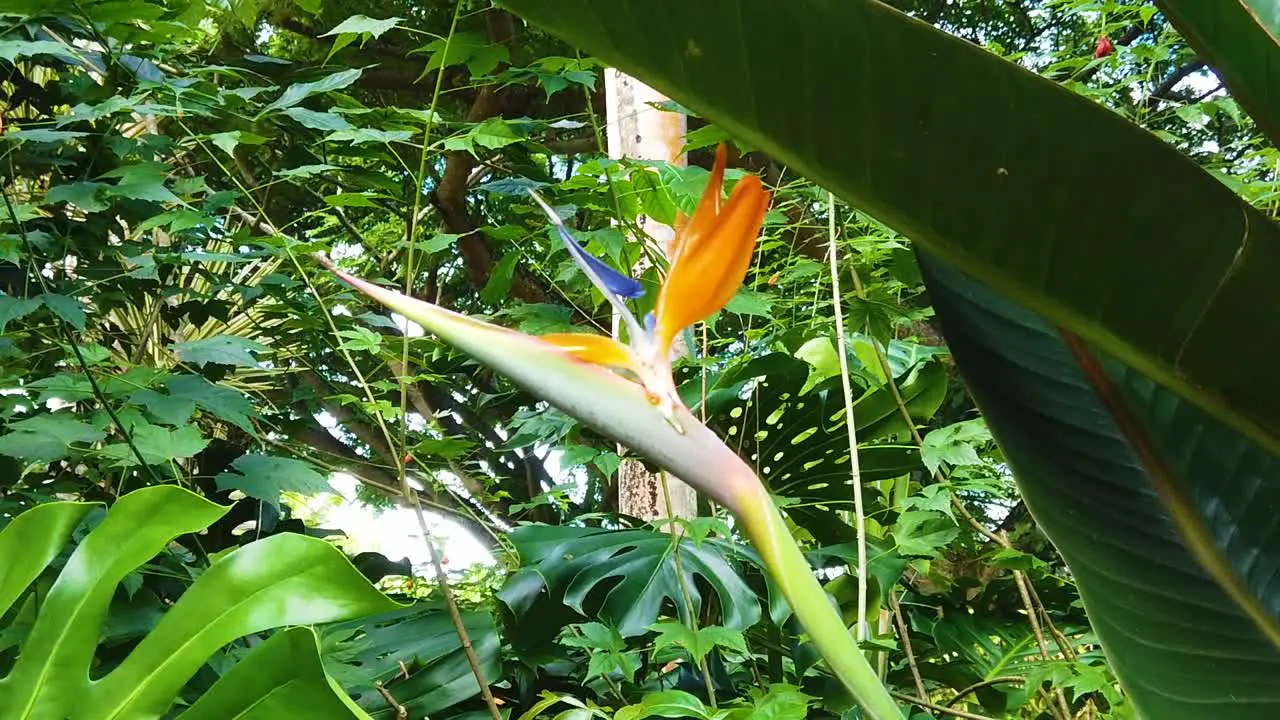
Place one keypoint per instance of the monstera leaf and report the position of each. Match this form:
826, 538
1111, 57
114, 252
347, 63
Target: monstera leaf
415, 654
979, 649
628, 578
797, 440
1166, 517
282, 580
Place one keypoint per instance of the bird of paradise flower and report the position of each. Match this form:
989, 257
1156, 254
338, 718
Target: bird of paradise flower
628, 392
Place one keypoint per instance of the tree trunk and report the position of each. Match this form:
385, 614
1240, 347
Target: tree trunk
638, 130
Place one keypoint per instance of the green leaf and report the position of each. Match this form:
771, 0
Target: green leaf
608, 652
265, 477
140, 181
965, 180
475, 50
254, 588
317, 120
495, 133
359, 24
361, 340
779, 702
922, 533
63, 386
167, 409
228, 141
799, 437
638, 568
40, 136
750, 302
414, 653
298, 92
500, 279
306, 171
360, 136
697, 643
31, 541
439, 242
1095, 446
157, 445
11, 50
955, 444
667, 704
1241, 40
223, 350
83, 195
222, 401
69, 309
45, 438
282, 677
12, 308
351, 199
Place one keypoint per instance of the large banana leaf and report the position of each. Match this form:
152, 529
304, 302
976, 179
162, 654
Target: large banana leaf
992, 169
1167, 517
282, 580
1239, 39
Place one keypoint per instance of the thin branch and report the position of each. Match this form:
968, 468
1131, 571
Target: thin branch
855, 470
901, 623
985, 683
402, 713
1061, 710
938, 708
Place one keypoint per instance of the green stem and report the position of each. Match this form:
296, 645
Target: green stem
790, 570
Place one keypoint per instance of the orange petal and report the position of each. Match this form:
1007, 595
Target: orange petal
596, 349
704, 216
710, 268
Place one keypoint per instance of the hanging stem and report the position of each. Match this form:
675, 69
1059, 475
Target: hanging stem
901, 622
855, 471
684, 587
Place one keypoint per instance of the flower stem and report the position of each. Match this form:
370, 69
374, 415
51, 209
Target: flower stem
790, 570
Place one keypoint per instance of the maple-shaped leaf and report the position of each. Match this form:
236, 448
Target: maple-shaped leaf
157, 445
222, 350
266, 476
45, 438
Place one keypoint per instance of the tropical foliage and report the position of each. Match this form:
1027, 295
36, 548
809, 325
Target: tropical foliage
1068, 503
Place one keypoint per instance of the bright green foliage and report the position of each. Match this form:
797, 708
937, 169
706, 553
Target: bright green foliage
242, 593
172, 254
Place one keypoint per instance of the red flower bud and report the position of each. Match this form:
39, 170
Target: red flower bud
773, 279
1104, 48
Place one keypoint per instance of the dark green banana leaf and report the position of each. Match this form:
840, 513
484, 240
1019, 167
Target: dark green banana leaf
1000, 173
1168, 519
1238, 38
282, 580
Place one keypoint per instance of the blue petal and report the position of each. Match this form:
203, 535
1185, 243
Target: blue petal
610, 281
614, 281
